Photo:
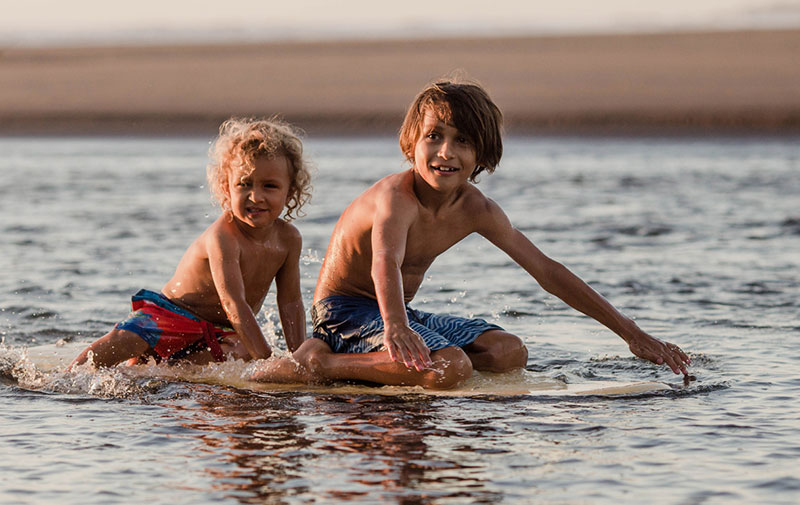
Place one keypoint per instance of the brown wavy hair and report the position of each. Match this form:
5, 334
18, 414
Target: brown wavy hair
241, 141
469, 108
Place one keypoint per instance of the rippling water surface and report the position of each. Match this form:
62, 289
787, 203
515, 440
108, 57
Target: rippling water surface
698, 239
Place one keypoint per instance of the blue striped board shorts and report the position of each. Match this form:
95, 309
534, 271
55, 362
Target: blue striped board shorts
350, 324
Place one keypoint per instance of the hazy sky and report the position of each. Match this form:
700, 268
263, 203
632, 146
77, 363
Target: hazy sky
44, 21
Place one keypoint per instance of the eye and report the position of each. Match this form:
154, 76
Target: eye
432, 136
463, 140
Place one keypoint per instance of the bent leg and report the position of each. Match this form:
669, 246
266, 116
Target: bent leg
115, 347
451, 366
497, 351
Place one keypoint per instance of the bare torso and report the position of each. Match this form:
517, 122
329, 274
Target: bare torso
192, 285
346, 269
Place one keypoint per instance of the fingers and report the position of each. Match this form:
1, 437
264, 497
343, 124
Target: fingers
416, 355
420, 354
684, 357
675, 358
663, 353
411, 351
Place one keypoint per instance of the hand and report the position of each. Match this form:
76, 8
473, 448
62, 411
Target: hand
659, 352
406, 346
234, 347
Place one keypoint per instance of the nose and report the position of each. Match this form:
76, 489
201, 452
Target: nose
257, 194
444, 150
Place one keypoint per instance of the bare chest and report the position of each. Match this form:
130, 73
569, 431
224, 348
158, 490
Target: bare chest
430, 237
259, 265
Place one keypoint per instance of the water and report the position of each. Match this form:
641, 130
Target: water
698, 239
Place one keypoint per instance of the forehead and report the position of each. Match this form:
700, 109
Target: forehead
432, 118
265, 166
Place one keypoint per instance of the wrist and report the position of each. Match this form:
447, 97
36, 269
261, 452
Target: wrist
392, 330
396, 322
630, 331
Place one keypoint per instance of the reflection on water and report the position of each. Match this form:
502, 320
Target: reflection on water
259, 442
343, 448
267, 447
697, 239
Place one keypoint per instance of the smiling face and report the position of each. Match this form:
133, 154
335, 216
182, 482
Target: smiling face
464, 105
443, 156
258, 198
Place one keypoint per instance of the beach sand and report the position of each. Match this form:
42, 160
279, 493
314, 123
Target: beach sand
744, 81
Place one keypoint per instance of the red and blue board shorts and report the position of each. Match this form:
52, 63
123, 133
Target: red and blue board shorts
172, 331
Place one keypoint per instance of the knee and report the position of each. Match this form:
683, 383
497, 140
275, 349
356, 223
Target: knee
508, 353
311, 353
451, 367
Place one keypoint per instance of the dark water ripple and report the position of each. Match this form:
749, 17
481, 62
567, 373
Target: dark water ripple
697, 240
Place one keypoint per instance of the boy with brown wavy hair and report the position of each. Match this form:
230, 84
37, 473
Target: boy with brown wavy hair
388, 236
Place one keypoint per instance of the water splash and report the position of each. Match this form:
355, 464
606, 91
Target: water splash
18, 368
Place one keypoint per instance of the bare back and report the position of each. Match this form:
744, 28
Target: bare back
192, 286
346, 269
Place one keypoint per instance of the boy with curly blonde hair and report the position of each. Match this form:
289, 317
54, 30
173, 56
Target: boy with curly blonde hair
207, 310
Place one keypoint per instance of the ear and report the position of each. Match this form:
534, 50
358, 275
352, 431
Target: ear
289, 194
226, 197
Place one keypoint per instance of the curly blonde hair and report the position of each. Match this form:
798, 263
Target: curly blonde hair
241, 141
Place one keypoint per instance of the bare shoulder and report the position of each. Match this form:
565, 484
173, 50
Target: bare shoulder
288, 235
394, 192
192, 282
474, 200
221, 234
487, 214
395, 185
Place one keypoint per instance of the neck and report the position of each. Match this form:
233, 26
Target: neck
260, 235
431, 198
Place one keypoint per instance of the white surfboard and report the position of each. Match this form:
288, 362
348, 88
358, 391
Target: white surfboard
51, 358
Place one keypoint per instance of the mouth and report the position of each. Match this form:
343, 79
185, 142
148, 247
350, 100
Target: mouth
256, 211
445, 169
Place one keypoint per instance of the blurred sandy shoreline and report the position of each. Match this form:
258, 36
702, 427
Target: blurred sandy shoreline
693, 83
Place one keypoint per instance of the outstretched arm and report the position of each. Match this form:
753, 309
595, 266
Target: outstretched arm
561, 282
223, 259
290, 300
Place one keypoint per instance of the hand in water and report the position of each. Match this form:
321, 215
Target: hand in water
660, 352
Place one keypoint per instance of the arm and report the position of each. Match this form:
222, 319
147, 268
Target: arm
223, 260
391, 223
290, 300
558, 280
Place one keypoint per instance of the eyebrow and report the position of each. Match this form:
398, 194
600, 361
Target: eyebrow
439, 123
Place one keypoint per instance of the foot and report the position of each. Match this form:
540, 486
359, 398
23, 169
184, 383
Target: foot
281, 371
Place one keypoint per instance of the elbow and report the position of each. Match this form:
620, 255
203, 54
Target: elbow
234, 310
553, 278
